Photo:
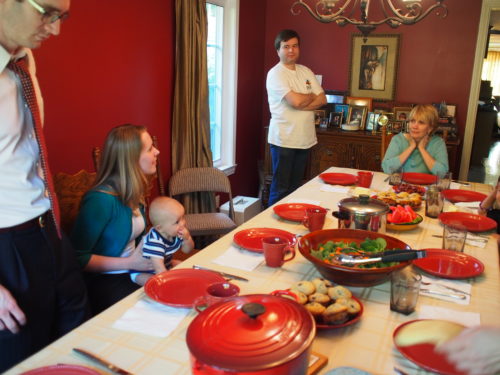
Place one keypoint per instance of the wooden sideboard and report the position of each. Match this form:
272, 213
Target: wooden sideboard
358, 150
345, 149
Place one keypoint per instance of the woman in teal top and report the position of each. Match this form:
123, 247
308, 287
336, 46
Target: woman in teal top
111, 219
419, 150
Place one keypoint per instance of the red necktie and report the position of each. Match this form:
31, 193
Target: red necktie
21, 69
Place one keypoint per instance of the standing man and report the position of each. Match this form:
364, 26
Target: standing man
42, 295
293, 93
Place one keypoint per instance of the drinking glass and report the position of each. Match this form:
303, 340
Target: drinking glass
405, 287
444, 181
454, 237
396, 176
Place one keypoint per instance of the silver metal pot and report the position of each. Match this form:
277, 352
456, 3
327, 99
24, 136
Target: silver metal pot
362, 213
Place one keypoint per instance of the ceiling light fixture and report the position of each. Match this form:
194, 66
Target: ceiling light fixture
341, 12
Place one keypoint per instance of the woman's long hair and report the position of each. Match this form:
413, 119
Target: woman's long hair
119, 167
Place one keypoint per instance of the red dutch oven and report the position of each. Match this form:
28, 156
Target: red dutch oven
252, 334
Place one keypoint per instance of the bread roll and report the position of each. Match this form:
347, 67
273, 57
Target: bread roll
427, 331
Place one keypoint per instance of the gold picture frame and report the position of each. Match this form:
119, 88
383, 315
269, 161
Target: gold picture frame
401, 113
374, 66
367, 102
357, 113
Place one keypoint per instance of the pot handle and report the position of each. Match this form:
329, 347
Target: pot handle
341, 215
281, 293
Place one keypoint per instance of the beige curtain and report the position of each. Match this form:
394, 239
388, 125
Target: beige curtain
191, 117
491, 71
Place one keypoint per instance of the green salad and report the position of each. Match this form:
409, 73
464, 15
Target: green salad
327, 251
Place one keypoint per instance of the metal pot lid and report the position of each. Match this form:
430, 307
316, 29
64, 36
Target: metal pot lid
364, 205
250, 333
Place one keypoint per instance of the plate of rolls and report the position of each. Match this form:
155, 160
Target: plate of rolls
332, 306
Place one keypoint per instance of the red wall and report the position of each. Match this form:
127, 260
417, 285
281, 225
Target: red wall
114, 63
436, 55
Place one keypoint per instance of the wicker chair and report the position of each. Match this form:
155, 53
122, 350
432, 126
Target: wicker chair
207, 179
70, 190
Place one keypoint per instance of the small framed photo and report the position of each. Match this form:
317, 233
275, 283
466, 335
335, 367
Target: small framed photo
367, 102
371, 121
396, 126
357, 115
319, 114
451, 110
344, 108
402, 113
335, 119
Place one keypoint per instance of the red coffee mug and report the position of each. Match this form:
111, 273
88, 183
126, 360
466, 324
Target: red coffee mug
275, 249
314, 219
365, 179
216, 292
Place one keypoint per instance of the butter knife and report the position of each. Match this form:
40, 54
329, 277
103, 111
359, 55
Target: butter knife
452, 295
111, 367
228, 275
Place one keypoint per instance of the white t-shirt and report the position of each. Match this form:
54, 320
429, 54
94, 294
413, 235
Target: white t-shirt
290, 127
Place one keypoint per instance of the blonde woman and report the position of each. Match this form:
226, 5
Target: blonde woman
111, 220
419, 150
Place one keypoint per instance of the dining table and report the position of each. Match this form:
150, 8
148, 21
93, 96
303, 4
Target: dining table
366, 345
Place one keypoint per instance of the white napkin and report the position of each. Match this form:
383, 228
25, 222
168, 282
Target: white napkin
303, 200
468, 319
239, 258
468, 204
334, 188
151, 318
455, 185
475, 240
439, 285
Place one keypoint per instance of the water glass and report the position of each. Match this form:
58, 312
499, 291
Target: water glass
444, 181
433, 202
396, 177
454, 237
405, 287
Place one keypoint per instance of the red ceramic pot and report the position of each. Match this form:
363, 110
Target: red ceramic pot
252, 334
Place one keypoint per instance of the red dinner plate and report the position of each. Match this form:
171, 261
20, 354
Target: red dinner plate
458, 195
251, 239
339, 178
419, 178
472, 222
293, 211
424, 356
450, 264
61, 370
180, 287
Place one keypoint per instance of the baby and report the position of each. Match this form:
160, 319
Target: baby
167, 235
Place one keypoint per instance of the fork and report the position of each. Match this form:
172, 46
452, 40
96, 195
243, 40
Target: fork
444, 286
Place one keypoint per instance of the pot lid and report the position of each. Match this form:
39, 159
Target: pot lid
364, 205
251, 332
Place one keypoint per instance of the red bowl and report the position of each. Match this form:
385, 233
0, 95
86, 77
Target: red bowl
348, 275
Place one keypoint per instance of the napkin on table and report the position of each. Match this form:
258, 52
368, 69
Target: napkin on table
151, 318
304, 200
475, 240
438, 285
239, 258
468, 319
334, 189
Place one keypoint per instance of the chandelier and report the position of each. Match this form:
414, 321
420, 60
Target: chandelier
341, 12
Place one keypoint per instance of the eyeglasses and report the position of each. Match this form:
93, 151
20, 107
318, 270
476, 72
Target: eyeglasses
49, 16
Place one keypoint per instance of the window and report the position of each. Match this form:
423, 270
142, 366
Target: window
222, 63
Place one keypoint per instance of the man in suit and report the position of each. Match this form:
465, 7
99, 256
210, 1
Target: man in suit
42, 295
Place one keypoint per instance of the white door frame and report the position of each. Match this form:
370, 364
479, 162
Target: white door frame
470, 124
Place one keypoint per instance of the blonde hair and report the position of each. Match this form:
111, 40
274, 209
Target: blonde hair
120, 167
427, 113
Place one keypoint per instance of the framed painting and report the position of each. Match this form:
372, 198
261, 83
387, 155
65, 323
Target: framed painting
344, 108
357, 115
374, 66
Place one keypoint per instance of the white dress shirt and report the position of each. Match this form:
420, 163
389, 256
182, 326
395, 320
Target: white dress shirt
22, 190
